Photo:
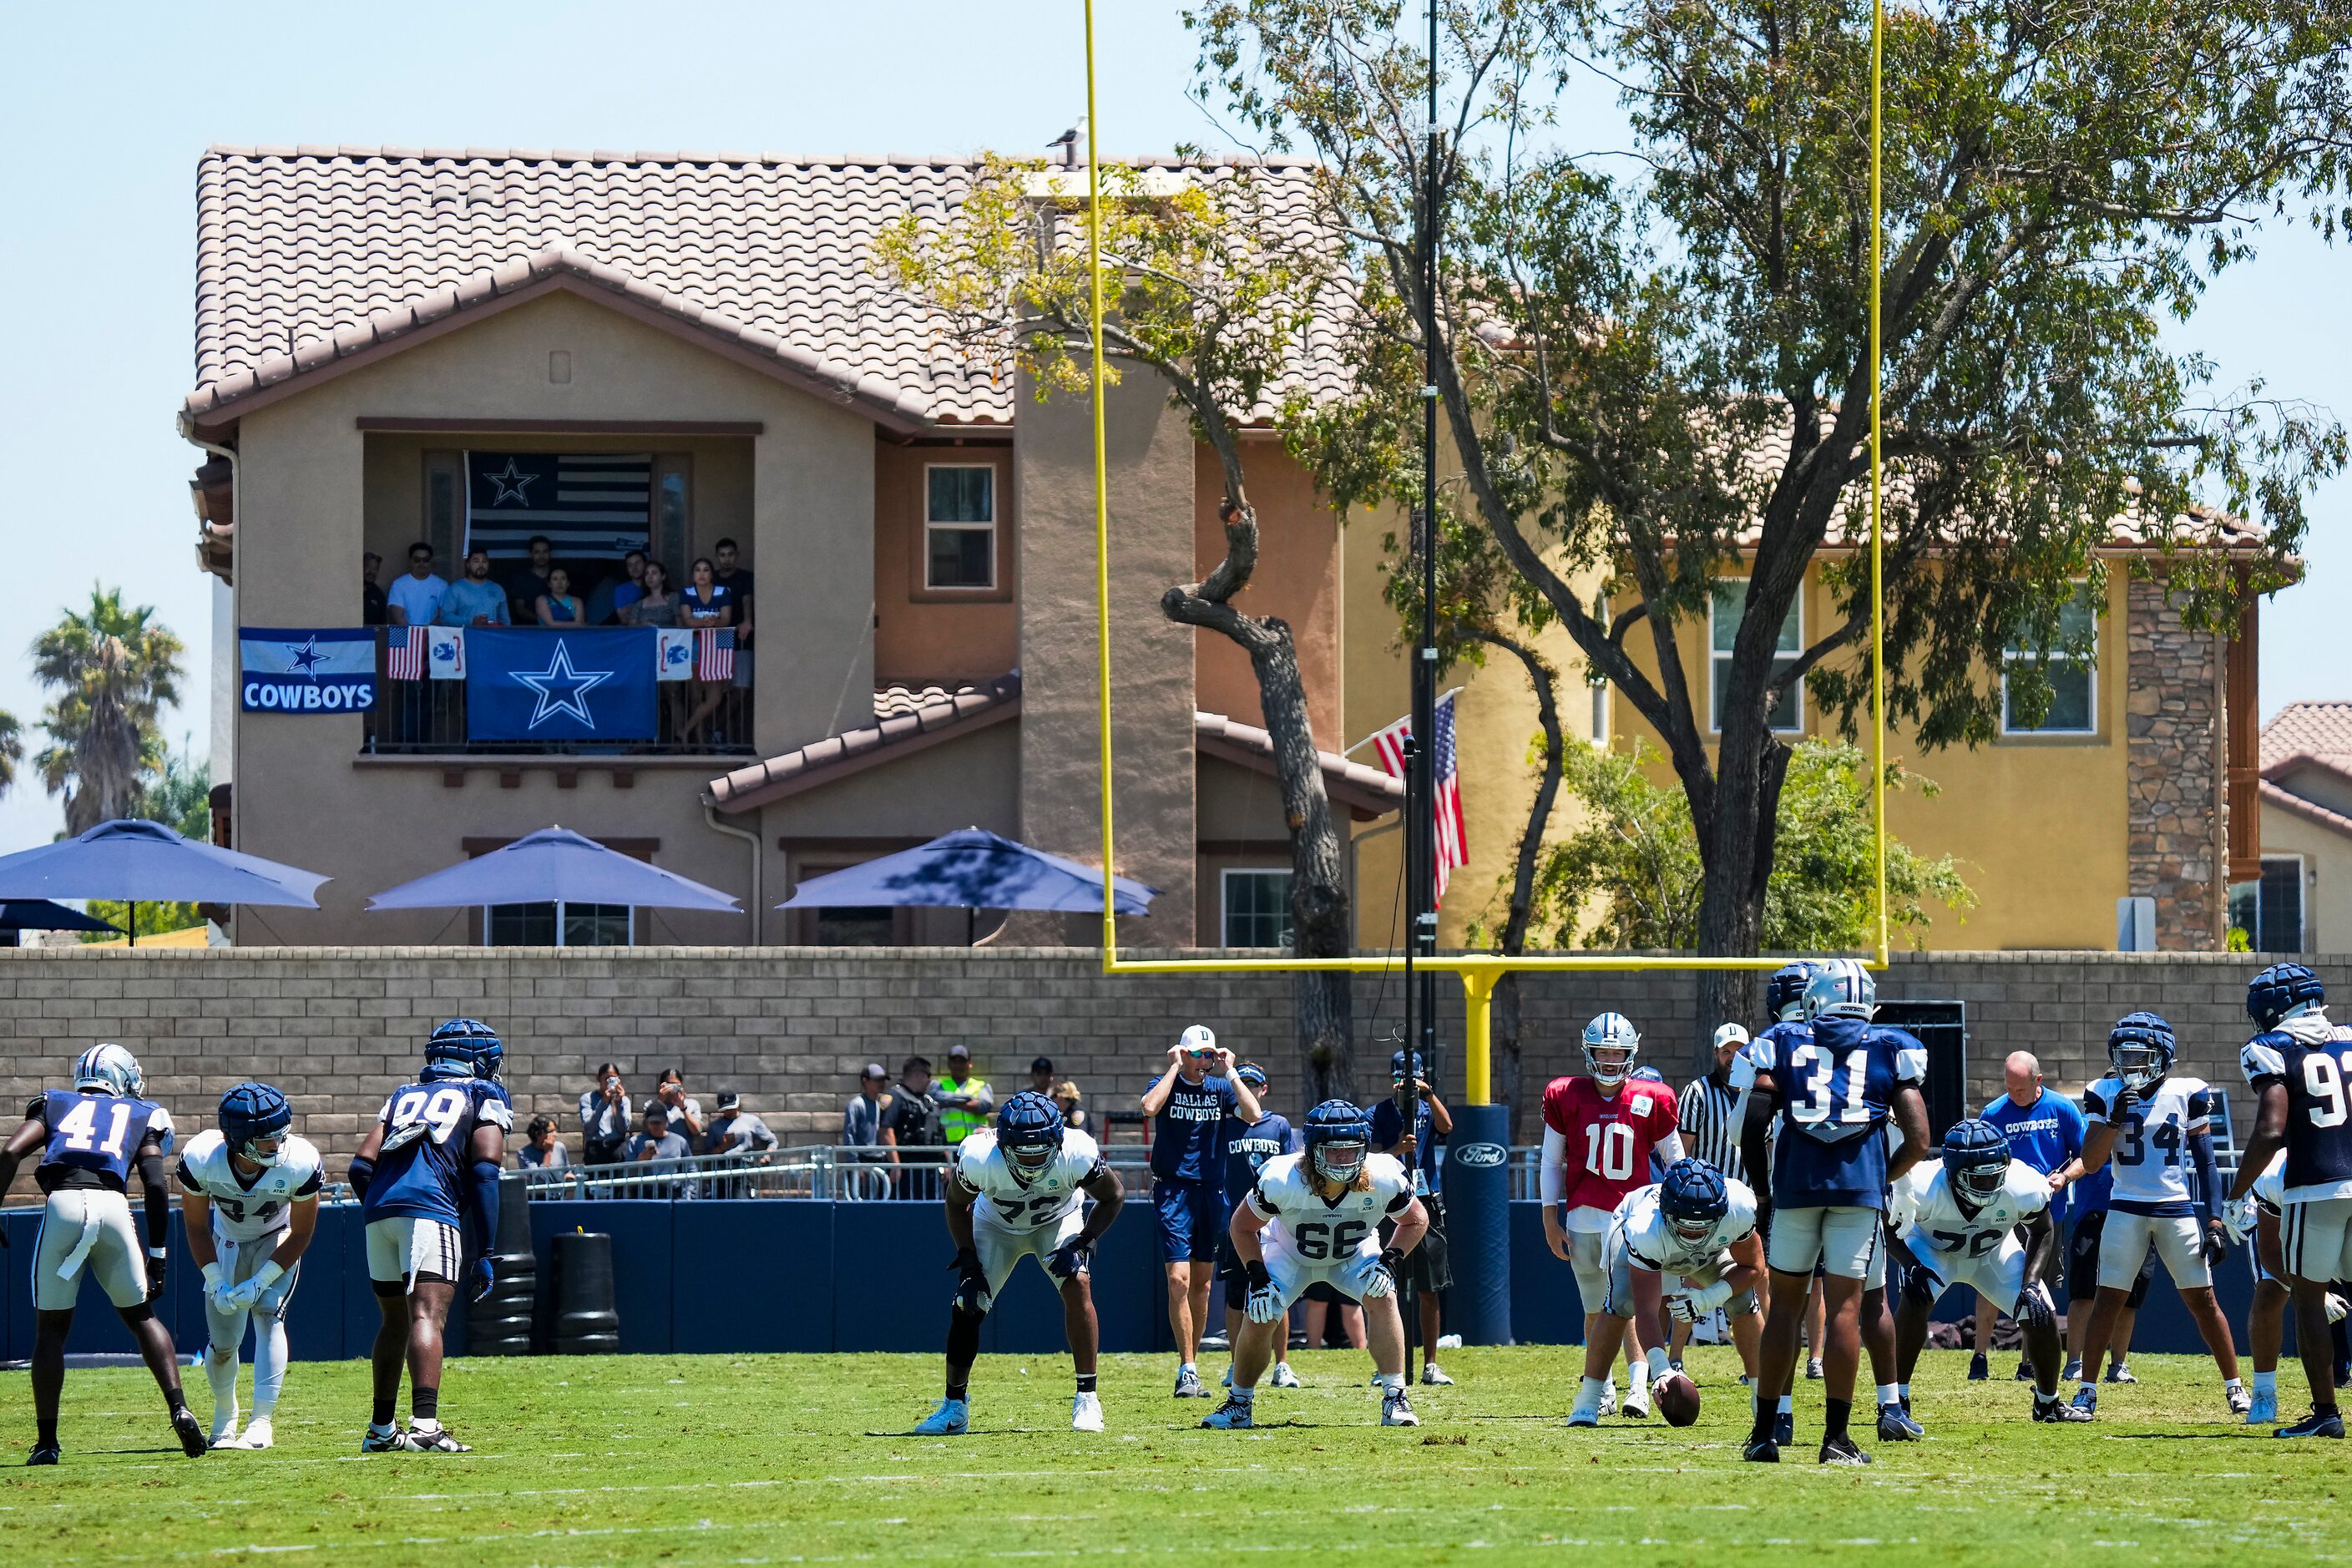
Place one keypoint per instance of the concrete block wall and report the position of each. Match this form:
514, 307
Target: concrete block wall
790, 1027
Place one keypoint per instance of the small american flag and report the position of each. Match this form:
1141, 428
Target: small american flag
407, 649
714, 654
1453, 831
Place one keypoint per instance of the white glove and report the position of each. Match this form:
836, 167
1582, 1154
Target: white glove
2240, 1217
2337, 1308
239, 1297
1691, 1305
214, 1291
1379, 1281
1265, 1304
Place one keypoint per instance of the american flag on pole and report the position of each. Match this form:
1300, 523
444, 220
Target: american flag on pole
714, 657
408, 651
1453, 833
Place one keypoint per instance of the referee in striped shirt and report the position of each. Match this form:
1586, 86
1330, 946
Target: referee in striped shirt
1710, 1133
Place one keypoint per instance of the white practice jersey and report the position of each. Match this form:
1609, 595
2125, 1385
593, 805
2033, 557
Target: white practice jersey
1039, 1201
1653, 1243
2269, 1187
1923, 1203
1286, 1198
2150, 1158
247, 1211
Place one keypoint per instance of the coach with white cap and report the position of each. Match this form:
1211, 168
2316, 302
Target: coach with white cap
1187, 1105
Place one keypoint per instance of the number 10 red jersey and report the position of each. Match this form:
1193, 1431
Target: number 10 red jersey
1609, 1141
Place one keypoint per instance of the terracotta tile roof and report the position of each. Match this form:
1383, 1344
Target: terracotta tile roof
907, 719
2310, 810
306, 255
1367, 792
2320, 730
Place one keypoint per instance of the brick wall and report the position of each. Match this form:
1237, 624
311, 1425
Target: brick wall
2176, 795
789, 1027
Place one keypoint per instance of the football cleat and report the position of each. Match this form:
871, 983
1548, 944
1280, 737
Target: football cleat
1895, 1426
1396, 1410
44, 1453
2119, 1373
190, 1433
1581, 1416
2074, 1372
1188, 1384
2086, 1400
2264, 1409
1765, 1452
1842, 1451
1433, 1375
224, 1432
434, 1439
1085, 1413
1283, 1376
392, 1440
1813, 1369
2314, 1425
1609, 1399
1978, 1370
258, 1434
2024, 1372
2239, 1399
1233, 1416
2053, 1408
951, 1419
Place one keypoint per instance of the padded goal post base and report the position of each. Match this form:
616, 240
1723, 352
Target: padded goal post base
1478, 1224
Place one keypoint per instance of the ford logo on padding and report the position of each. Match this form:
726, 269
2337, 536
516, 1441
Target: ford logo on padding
1480, 1156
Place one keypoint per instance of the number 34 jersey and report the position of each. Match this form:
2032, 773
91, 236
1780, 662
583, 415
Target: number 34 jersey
428, 1138
2152, 1132
1923, 1205
2313, 1058
243, 1210
1045, 1198
1315, 1227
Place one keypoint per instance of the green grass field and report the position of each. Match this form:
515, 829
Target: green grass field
646, 1459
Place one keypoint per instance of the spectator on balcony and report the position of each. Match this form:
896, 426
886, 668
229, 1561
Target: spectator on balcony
372, 601
415, 597
604, 1118
558, 607
862, 1118
541, 1150
474, 600
736, 580
615, 594
685, 1111
526, 587
657, 601
704, 605
662, 1151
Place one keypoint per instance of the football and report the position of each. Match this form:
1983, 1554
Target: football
1677, 1398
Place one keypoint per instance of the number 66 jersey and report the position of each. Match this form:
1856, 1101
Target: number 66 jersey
428, 1136
1335, 1240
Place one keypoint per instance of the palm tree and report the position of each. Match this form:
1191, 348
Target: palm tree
115, 670
12, 749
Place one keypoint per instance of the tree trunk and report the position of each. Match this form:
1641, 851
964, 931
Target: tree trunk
1737, 850
1510, 1061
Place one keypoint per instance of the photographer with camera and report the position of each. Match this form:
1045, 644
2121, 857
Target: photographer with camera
1421, 1149
604, 1121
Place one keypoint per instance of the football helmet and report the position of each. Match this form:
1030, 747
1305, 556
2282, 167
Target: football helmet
1693, 1200
468, 1045
109, 1069
1611, 1043
250, 1112
1784, 993
1976, 1161
2141, 1048
2283, 990
1029, 1133
1840, 988
1338, 1137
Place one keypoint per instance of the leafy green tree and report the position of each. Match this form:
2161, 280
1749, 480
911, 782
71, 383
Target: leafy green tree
113, 669
12, 749
179, 794
1632, 875
1672, 345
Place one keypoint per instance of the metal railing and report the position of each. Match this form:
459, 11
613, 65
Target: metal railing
429, 715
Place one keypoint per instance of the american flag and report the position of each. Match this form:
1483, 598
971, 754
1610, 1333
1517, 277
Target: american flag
1453, 835
407, 649
714, 655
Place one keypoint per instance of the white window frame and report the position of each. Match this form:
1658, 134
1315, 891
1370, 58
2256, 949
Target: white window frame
2302, 901
559, 921
930, 524
1224, 906
1714, 714
2010, 656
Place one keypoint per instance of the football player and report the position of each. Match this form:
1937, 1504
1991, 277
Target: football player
2156, 1126
1784, 1003
1696, 1228
2300, 1065
2266, 1316
1957, 1222
251, 1195
92, 1137
1833, 1094
1019, 1192
1601, 1129
1320, 1210
428, 1167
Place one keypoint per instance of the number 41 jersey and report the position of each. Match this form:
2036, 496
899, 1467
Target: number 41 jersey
94, 1139
428, 1136
2313, 1058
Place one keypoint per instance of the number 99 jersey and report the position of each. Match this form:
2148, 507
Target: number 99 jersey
428, 1139
2313, 1058
1338, 1241
1004, 1201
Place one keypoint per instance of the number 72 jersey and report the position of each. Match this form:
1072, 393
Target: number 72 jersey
428, 1136
2313, 1058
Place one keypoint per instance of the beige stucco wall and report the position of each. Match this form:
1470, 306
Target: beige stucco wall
2326, 873
926, 635
302, 795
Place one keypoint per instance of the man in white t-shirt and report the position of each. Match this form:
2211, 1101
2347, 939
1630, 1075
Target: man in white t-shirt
414, 596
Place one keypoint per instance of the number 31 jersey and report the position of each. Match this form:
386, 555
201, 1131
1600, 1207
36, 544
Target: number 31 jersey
2152, 1133
2313, 1058
1837, 1097
1317, 1229
1006, 1200
243, 1210
428, 1139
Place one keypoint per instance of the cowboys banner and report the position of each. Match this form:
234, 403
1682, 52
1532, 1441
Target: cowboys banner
559, 686
592, 506
291, 670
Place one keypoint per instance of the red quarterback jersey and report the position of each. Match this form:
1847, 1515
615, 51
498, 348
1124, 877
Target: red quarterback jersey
1609, 1141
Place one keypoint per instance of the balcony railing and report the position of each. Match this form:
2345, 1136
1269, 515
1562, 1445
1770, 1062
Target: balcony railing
428, 717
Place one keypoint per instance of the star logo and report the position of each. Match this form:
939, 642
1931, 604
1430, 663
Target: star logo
511, 481
561, 689
306, 658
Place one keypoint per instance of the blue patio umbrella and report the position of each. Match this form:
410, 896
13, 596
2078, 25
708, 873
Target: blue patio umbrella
555, 866
41, 914
970, 869
146, 862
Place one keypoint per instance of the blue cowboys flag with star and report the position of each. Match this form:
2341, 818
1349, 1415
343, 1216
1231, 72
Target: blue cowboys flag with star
291, 669
595, 685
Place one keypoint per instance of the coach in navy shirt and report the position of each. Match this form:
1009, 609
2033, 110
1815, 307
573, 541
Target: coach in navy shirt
2045, 1130
1187, 1106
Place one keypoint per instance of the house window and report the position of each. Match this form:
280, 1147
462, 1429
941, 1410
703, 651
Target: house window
444, 488
2270, 910
673, 512
1724, 616
533, 925
1256, 909
2074, 677
959, 526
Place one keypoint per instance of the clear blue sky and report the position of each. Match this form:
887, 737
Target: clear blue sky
108, 111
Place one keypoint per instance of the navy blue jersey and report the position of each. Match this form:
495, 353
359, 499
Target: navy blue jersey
1837, 1093
1185, 1133
1248, 1145
94, 1139
1428, 1154
2313, 1058
428, 1146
